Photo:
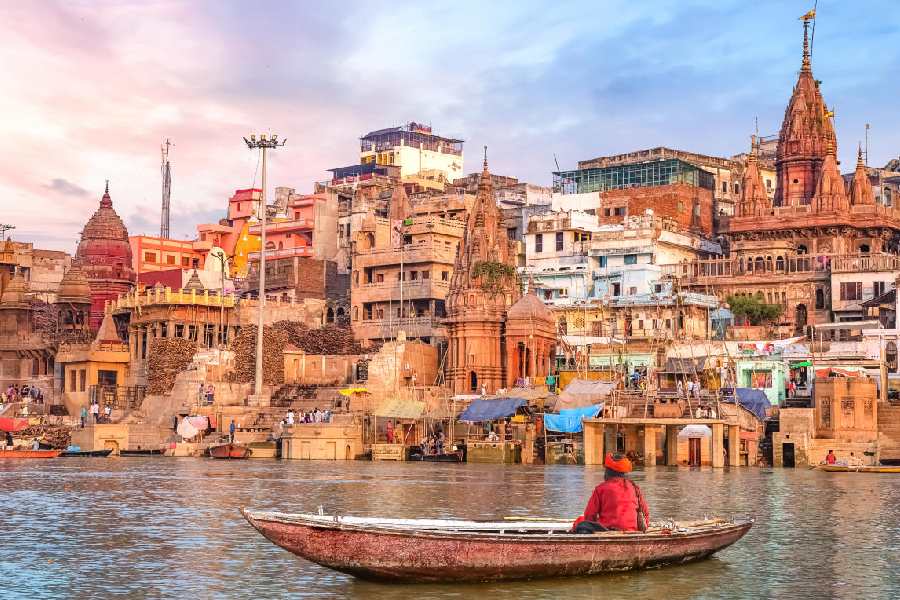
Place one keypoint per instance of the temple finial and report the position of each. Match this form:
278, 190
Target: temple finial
807, 64
106, 191
859, 156
485, 159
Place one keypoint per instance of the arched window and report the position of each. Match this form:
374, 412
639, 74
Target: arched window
473, 381
356, 313
779, 263
339, 312
760, 264
801, 249
281, 245
890, 356
863, 248
769, 263
329, 315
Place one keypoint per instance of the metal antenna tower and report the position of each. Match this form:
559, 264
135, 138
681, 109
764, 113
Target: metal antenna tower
3, 229
166, 170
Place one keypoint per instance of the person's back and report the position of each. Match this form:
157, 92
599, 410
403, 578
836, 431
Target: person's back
615, 502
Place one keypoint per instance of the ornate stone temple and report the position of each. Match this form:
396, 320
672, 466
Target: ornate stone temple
483, 287
818, 244
104, 256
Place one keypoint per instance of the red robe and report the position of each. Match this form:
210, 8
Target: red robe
614, 505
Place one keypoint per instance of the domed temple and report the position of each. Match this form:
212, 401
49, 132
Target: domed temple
104, 256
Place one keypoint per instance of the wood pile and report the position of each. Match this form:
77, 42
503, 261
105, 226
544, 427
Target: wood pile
167, 358
244, 348
330, 339
57, 436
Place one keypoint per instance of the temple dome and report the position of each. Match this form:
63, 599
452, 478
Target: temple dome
15, 294
530, 306
74, 287
104, 251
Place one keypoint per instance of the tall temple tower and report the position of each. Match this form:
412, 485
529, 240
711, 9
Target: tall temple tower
483, 287
806, 133
104, 256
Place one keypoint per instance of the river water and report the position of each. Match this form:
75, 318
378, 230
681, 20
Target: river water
162, 527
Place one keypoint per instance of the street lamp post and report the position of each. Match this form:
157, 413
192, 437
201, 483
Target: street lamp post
262, 144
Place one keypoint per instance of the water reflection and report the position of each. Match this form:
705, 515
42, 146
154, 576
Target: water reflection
170, 527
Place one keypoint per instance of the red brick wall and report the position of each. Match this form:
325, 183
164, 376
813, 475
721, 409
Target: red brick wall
676, 201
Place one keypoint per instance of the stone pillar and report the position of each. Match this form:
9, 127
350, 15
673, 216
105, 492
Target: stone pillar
717, 445
734, 445
593, 442
671, 445
650, 445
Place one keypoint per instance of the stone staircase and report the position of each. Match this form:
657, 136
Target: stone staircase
889, 430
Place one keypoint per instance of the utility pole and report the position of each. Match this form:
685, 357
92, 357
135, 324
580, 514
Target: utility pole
4, 227
166, 172
262, 144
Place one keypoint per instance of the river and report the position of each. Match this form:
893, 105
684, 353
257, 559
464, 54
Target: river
160, 527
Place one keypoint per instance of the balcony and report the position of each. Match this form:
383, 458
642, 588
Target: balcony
284, 226
162, 296
421, 289
412, 253
415, 327
300, 251
865, 263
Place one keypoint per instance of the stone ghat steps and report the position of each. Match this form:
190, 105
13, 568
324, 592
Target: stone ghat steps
889, 429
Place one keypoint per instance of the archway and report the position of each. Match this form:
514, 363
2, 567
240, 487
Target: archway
779, 263
473, 381
329, 315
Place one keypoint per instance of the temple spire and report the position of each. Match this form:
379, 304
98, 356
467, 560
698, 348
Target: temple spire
807, 63
485, 168
859, 157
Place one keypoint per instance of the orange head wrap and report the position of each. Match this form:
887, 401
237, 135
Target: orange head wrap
617, 462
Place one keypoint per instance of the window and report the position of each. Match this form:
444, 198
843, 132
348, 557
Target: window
150, 257
737, 188
879, 287
851, 290
559, 241
768, 184
657, 288
631, 259
379, 278
820, 299
185, 261
82, 380
170, 259
616, 289
511, 233
620, 211
632, 291
445, 275
539, 242
413, 275
426, 274
760, 379
602, 261
72, 385
725, 187
890, 356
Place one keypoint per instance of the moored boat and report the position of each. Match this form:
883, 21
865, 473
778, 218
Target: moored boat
457, 456
98, 453
230, 451
29, 453
425, 550
860, 469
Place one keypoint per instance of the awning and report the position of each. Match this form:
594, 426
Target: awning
491, 410
351, 391
569, 420
13, 425
398, 408
754, 400
582, 392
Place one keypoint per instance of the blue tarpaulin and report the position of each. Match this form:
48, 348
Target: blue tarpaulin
491, 410
569, 420
753, 400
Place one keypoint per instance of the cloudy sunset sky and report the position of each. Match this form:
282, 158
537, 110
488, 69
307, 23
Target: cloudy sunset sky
91, 89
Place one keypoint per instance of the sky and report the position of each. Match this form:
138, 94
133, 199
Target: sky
92, 88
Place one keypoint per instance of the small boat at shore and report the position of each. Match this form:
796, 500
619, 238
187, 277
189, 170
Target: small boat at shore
230, 451
456, 456
142, 452
450, 550
29, 453
860, 469
97, 453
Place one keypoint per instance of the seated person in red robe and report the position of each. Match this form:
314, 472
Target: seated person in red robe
617, 504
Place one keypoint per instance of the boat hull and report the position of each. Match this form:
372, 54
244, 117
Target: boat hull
870, 469
230, 451
432, 556
29, 453
100, 453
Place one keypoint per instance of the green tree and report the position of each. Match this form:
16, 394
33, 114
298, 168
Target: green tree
754, 309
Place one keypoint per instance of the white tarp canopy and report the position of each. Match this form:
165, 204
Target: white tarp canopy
583, 392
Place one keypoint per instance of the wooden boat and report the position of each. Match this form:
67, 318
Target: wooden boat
425, 550
29, 453
100, 453
230, 451
861, 469
456, 456
141, 452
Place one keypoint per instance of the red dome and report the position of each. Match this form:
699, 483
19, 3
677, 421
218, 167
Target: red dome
104, 256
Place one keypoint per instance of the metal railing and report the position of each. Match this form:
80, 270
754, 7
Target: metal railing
124, 397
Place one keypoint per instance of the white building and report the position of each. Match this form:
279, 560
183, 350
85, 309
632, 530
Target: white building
416, 150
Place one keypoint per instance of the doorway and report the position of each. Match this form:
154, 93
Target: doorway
787, 455
694, 457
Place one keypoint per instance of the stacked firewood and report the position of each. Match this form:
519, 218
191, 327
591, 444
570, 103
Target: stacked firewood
244, 348
330, 339
57, 436
167, 358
